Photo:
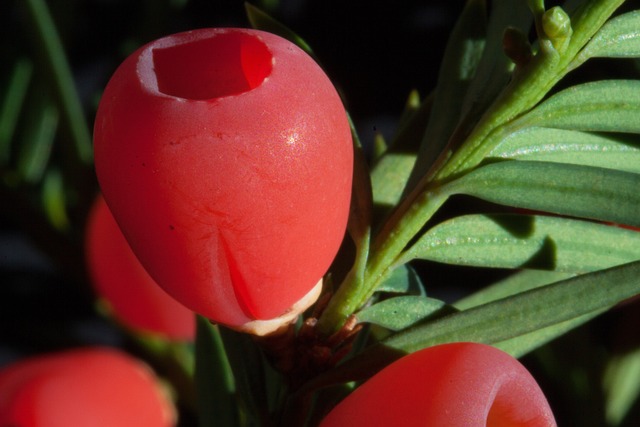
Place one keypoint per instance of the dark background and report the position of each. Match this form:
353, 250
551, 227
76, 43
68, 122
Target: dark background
375, 52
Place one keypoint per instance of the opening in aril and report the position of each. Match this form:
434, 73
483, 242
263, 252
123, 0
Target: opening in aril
509, 408
222, 65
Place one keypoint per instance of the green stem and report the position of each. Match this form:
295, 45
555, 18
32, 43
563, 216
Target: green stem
401, 228
528, 87
531, 84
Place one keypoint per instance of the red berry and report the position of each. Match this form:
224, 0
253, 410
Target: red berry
453, 385
95, 387
121, 281
225, 155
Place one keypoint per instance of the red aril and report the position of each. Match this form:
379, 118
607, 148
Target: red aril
225, 156
119, 279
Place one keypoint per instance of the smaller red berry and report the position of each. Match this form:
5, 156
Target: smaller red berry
125, 286
95, 387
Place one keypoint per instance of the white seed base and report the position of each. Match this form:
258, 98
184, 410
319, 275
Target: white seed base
263, 328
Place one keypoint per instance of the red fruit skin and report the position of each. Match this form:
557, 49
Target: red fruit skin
226, 158
95, 387
133, 297
452, 385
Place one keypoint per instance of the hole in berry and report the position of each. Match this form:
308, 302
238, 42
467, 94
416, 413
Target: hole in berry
221, 65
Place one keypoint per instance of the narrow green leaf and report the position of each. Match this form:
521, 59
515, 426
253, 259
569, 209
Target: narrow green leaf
523, 344
519, 282
380, 146
53, 58
528, 311
40, 132
54, 199
389, 177
500, 321
574, 190
399, 312
361, 210
262, 21
411, 108
524, 241
412, 124
390, 172
515, 283
403, 280
621, 385
494, 69
603, 106
12, 103
527, 88
214, 382
247, 365
618, 38
587, 17
461, 57
613, 151
360, 215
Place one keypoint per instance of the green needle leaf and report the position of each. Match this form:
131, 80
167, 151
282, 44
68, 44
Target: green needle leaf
40, 132
523, 241
412, 124
574, 190
53, 58
621, 385
613, 151
462, 54
214, 381
529, 86
494, 69
361, 209
54, 199
618, 38
399, 312
523, 344
520, 281
12, 103
605, 106
360, 216
247, 365
389, 177
527, 311
403, 280
500, 321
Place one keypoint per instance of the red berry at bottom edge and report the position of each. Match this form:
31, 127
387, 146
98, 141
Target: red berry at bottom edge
449, 385
95, 387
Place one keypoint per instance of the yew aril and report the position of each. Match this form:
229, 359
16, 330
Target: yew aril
452, 385
121, 282
225, 156
96, 387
